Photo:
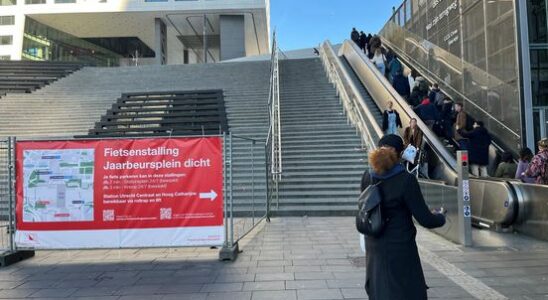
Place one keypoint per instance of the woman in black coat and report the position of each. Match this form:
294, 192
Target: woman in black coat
393, 265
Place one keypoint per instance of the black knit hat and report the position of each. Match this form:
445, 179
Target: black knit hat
392, 140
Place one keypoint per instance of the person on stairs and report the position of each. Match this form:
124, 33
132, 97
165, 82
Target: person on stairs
355, 36
479, 141
507, 167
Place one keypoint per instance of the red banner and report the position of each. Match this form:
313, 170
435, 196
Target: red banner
118, 184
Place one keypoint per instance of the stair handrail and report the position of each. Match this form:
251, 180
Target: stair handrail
274, 138
351, 99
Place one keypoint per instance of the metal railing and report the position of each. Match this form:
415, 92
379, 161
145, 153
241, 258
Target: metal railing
350, 97
7, 207
438, 194
246, 204
274, 138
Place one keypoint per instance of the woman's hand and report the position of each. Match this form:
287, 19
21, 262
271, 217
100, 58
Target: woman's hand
441, 211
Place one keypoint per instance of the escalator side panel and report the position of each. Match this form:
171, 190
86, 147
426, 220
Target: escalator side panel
381, 92
533, 212
493, 201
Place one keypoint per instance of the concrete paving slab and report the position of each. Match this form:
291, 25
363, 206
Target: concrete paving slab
289, 258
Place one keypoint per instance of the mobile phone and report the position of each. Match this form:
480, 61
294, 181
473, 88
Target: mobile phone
441, 210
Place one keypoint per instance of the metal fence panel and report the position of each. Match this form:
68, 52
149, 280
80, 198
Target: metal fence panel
440, 195
246, 185
6, 194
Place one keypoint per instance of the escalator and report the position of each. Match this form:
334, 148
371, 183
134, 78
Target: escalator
496, 203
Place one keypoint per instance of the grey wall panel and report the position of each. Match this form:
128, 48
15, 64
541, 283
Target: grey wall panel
232, 37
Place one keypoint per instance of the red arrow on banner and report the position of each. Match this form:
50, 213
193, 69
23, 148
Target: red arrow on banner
211, 195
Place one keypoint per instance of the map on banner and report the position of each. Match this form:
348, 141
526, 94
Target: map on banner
58, 185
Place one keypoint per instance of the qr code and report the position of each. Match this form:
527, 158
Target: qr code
108, 215
165, 213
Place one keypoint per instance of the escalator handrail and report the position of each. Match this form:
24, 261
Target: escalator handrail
429, 136
404, 60
357, 101
360, 103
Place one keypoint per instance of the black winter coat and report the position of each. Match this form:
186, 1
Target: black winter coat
393, 267
415, 97
401, 85
427, 112
479, 141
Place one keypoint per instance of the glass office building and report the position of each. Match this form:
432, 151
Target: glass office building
477, 52
538, 47
41, 42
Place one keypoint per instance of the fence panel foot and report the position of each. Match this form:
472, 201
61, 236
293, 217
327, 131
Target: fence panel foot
229, 253
10, 258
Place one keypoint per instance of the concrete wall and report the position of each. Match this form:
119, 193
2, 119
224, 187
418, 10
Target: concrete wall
232, 37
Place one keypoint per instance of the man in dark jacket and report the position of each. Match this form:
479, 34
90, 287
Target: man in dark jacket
362, 41
401, 85
415, 97
479, 141
368, 43
446, 117
395, 249
355, 36
427, 112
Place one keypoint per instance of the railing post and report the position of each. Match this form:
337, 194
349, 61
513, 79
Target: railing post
230, 249
268, 192
231, 199
463, 198
225, 180
11, 181
253, 182
13, 255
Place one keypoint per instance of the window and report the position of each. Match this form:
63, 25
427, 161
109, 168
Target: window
536, 15
35, 1
5, 57
65, 1
8, 2
7, 20
6, 39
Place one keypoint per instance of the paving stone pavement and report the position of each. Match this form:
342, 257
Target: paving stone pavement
289, 258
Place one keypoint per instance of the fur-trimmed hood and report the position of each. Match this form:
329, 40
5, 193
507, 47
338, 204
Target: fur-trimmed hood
383, 162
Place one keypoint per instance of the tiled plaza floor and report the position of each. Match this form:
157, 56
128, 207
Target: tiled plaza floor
289, 258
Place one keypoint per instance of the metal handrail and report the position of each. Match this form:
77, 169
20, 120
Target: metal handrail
354, 105
273, 144
274, 138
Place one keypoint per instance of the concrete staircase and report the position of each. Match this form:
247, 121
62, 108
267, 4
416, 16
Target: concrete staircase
322, 157
72, 105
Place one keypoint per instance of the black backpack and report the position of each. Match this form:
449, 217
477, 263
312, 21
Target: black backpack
370, 220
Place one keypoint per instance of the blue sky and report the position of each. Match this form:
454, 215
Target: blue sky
306, 23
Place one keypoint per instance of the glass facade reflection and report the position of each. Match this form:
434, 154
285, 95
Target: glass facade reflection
42, 42
537, 10
469, 47
8, 2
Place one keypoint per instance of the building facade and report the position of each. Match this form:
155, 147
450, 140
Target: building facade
489, 54
133, 32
